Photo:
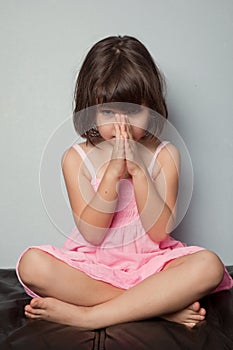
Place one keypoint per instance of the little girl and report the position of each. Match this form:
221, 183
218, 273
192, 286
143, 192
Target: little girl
120, 263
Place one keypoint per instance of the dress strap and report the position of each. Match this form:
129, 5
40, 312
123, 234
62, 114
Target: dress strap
85, 159
158, 149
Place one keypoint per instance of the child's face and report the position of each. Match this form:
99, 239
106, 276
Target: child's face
107, 116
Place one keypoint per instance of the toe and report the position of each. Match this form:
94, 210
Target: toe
202, 311
31, 310
190, 324
37, 303
195, 306
27, 308
196, 318
32, 316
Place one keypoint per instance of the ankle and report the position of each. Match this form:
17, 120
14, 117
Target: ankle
87, 317
93, 320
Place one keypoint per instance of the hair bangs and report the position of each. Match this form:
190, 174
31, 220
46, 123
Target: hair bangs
120, 87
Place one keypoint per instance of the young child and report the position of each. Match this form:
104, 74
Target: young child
120, 263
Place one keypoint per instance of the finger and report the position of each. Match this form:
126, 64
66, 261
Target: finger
119, 151
123, 126
128, 151
122, 131
123, 147
117, 118
128, 127
116, 124
117, 130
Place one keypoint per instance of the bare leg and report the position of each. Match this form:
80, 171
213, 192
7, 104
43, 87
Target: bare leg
166, 294
191, 315
48, 276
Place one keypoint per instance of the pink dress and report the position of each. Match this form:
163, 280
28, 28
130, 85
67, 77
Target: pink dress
127, 255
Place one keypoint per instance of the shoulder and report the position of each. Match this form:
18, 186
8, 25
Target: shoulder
167, 161
168, 153
72, 159
71, 154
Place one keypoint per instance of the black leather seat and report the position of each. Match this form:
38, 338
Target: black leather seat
17, 332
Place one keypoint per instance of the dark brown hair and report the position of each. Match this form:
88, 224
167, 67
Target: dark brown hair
116, 69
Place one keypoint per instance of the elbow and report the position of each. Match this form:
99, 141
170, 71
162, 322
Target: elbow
159, 232
158, 236
163, 229
93, 235
95, 241
92, 238
163, 236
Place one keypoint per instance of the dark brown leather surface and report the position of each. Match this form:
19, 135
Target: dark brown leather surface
16, 332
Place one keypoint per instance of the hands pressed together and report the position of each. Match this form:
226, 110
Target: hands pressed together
125, 159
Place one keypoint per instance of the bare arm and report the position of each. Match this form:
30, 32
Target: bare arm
93, 211
156, 199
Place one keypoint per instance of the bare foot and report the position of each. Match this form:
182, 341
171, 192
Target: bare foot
54, 310
190, 316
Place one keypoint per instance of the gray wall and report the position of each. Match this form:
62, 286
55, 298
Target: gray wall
42, 46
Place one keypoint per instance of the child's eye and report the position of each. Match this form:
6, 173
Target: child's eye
107, 112
134, 111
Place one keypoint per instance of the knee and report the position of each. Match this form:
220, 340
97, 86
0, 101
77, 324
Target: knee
30, 266
211, 267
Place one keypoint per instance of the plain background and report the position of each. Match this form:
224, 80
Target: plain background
43, 44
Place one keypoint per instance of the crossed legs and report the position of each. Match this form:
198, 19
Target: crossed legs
71, 297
